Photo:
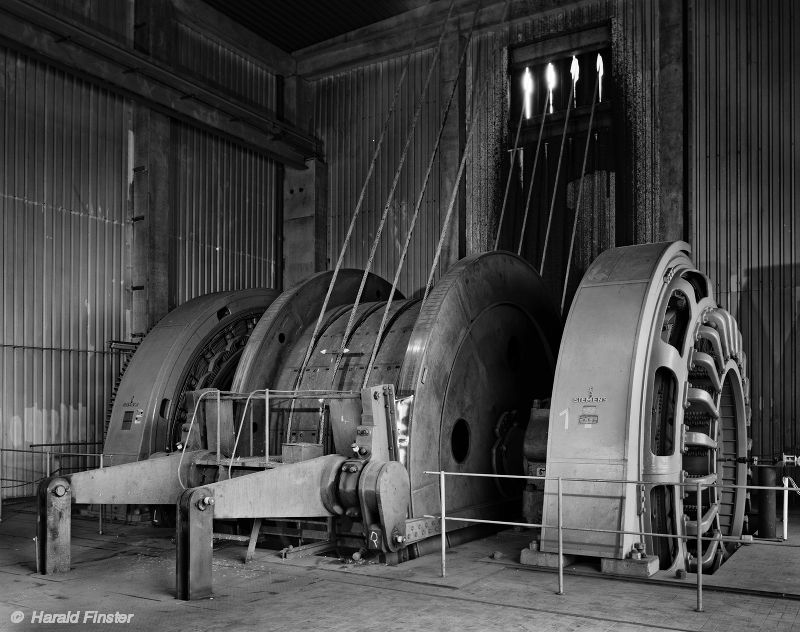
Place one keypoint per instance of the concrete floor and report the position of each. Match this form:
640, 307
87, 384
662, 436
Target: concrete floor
130, 569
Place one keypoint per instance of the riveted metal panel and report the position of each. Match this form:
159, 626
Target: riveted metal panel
745, 69
225, 203
350, 110
64, 256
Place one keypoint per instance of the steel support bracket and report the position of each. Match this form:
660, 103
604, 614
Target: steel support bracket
194, 539
384, 492
53, 526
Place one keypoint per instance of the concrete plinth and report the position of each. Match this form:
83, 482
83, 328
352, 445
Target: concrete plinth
533, 557
644, 567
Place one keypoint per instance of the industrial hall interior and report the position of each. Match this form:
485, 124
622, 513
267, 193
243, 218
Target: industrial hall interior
469, 315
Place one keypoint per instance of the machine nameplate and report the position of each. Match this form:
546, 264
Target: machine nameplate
588, 416
590, 398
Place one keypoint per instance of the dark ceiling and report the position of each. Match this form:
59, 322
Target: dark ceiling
295, 24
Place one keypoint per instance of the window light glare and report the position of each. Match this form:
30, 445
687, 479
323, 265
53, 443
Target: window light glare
550, 79
599, 77
575, 71
527, 91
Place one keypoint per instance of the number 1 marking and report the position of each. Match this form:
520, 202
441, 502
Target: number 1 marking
565, 414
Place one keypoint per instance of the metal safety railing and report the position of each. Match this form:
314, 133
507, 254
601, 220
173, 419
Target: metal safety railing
48, 454
269, 396
560, 527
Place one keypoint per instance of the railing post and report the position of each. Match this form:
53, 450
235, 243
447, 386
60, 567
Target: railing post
785, 508
48, 469
1, 488
560, 542
218, 414
100, 516
699, 550
443, 527
250, 425
266, 427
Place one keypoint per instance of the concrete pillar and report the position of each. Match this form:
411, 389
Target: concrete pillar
452, 146
151, 219
305, 228
305, 196
672, 115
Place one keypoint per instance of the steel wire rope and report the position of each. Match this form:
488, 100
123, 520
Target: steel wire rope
390, 198
418, 206
409, 234
795, 488
454, 194
351, 226
357, 210
580, 191
530, 185
510, 175
555, 181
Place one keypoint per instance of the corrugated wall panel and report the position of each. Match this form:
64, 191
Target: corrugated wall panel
63, 194
112, 18
350, 109
225, 212
224, 67
746, 144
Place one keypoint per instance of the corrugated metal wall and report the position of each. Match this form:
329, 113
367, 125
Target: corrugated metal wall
225, 209
746, 146
111, 18
350, 110
222, 66
63, 199
224, 197
65, 183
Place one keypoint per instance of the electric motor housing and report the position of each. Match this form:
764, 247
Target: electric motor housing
196, 345
650, 387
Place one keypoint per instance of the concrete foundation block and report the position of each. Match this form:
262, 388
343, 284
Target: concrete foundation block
531, 557
644, 567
